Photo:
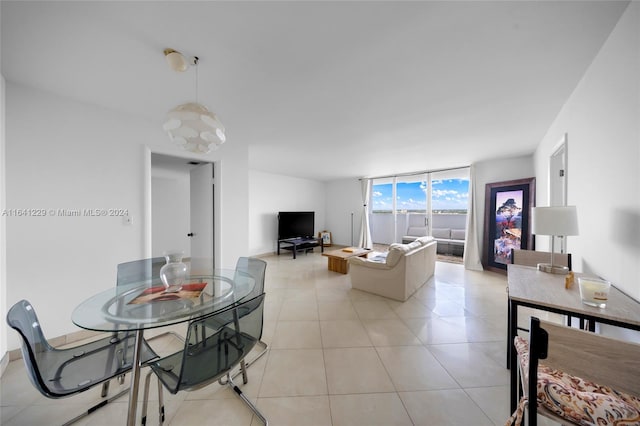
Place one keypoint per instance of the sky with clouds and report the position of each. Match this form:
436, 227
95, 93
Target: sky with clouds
448, 194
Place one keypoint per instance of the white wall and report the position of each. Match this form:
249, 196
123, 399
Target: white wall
64, 155
271, 193
344, 197
498, 170
3, 226
602, 120
61, 154
232, 199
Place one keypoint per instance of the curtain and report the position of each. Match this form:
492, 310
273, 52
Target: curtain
365, 231
471, 257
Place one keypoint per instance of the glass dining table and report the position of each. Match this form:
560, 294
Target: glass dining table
145, 305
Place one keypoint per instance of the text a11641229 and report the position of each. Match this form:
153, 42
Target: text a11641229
65, 212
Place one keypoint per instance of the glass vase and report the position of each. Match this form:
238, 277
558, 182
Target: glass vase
174, 273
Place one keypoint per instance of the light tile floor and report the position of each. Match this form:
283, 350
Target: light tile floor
337, 356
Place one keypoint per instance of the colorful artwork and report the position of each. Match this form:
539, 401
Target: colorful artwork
508, 208
508, 231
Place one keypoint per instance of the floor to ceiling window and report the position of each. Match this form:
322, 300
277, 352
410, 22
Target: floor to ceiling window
419, 204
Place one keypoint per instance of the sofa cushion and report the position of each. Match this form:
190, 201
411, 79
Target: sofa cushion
417, 231
425, 240
395, 253
457, 234
414, 245
441, 233
378, 256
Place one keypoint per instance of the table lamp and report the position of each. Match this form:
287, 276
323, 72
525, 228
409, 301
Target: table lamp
554, 221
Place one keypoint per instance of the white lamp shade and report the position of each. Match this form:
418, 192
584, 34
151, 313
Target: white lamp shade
560, 220
194, 128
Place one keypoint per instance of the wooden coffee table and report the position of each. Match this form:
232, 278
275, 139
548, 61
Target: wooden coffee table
337, 259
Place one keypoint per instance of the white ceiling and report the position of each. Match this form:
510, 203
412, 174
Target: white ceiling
324, 90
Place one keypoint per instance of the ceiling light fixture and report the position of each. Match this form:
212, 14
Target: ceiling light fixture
192, 126
176, 60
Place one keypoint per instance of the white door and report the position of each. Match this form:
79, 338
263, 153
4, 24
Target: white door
558, 175
558, 182
201, 232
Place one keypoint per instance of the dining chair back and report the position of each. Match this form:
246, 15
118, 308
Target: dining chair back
210, 352
532, 258
58, 373
144, 270
256, 269
140, 270
574, 376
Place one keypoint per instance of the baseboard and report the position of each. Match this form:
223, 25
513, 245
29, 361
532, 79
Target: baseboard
3, 363
261, 255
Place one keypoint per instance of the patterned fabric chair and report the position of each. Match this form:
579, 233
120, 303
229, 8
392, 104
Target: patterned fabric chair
587, 379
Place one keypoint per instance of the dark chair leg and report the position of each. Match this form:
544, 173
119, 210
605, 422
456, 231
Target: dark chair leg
145, 399
105, 389
160, 402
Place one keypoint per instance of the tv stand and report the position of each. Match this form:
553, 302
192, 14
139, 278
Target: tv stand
299, 244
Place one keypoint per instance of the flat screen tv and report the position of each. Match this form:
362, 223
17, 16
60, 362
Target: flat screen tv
295, 224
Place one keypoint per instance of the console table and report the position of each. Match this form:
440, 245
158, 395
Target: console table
540, 290
301, 243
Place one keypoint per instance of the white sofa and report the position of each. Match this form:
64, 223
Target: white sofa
404, 270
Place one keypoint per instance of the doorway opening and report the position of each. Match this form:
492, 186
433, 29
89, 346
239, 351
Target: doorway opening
182, 209
558, 175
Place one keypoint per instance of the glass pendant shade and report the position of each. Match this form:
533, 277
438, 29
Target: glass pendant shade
194, 128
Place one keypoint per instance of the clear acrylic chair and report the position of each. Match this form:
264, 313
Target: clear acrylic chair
256, 268
140, 270
148, 271
210, 352
59, 373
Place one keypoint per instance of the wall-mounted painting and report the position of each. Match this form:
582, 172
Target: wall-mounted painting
507, 221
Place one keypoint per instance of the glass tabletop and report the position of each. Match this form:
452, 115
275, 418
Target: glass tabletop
145, 304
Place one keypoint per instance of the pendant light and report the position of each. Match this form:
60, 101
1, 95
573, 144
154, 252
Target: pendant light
192, 126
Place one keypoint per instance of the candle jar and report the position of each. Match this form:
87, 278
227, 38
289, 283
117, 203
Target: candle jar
594, 291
